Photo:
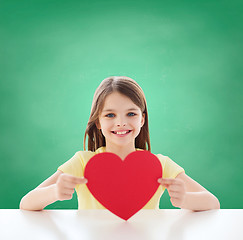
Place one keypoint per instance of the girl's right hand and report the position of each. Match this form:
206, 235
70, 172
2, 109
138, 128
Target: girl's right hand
64, 187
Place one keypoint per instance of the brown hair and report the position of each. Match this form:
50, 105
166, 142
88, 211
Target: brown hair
127, 87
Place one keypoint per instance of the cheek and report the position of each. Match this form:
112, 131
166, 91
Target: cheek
137, 122
105, 124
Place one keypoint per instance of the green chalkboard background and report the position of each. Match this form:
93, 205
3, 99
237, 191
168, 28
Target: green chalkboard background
186, 55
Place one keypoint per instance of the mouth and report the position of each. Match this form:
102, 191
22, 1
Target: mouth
121, 133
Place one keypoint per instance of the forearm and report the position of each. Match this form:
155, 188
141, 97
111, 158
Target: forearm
39, 198
199, 201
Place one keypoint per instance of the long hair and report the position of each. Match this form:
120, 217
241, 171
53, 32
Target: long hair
128, 87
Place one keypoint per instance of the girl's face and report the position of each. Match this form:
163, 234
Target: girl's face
120, 120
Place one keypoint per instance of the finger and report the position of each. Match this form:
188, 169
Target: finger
67, 196
174, 188
76, 180
175, 195
166, 182
68, 191
72, 185
81, 180
176, 202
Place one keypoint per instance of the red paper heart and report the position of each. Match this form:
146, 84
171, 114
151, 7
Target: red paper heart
123, 187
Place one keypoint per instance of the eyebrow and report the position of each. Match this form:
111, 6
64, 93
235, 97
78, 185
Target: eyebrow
112, 110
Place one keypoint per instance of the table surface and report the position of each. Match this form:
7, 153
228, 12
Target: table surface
101, 224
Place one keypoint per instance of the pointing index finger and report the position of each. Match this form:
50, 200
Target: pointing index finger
81, 180
78, 180
165, 181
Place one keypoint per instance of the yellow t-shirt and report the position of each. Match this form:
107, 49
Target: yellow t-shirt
75, 166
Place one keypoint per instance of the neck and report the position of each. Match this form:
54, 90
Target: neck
122, 152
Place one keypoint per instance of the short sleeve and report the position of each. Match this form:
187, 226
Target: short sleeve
170, 168
73, 166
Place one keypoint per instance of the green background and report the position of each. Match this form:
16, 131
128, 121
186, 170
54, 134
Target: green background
186, 55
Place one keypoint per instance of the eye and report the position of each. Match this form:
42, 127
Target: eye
131, 114
110, 115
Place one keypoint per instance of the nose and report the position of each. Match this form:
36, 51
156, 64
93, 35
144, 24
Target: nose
119, 125
120, 122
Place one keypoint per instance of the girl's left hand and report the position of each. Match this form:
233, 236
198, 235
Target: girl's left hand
176, 189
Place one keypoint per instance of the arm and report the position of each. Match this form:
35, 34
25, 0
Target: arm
59, 186
187, 193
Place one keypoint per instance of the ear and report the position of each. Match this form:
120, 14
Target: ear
143, 119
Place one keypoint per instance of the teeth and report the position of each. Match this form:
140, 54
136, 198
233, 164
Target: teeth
124, 132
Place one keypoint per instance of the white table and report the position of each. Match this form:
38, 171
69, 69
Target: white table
101, 224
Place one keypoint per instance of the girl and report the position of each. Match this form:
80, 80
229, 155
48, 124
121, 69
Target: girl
118, 123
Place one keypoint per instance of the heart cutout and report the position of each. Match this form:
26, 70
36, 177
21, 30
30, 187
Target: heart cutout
123, 186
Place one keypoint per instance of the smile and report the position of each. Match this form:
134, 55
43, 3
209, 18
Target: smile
121, 132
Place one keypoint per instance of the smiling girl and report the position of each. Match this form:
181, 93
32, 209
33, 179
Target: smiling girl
118, 124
